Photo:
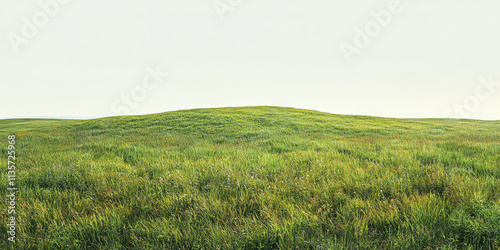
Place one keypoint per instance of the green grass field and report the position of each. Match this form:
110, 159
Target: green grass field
254, 178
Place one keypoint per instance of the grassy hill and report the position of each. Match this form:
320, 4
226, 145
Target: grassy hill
254, 178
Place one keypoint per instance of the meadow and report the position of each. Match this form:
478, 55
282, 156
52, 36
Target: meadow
253, 178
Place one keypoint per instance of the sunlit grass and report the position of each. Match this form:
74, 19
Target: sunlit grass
255, 178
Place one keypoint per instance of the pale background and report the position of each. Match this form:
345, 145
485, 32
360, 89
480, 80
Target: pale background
280, 53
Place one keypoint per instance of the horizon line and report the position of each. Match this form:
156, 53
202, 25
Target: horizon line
109, 116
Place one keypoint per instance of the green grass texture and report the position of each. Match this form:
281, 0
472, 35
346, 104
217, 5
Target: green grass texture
253, 178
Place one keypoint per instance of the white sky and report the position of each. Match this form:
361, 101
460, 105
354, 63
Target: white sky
281, 53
